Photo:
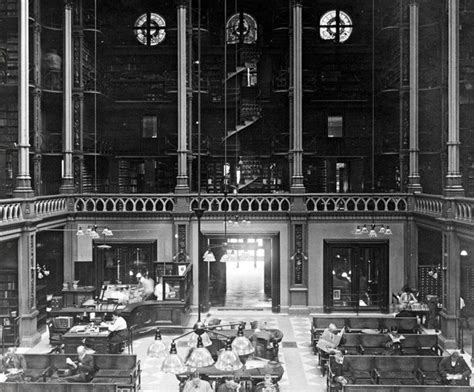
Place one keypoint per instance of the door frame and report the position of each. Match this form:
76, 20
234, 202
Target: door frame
355, 244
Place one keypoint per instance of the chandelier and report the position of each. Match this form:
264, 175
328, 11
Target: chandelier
236, 220
233, 356
374, 231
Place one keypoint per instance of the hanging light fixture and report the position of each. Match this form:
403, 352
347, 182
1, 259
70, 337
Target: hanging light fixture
157, 348
200, 356
228, 359
173, 363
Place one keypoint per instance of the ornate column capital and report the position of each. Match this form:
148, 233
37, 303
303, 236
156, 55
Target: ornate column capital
181, 3
296, 3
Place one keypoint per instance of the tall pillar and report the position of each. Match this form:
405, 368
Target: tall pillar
67, 185
453, 178
189, 90
297, 175
23, 180
182, 185
414, 176
37, 123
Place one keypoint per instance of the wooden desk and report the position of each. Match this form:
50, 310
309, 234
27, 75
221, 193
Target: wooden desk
253, 376
97, 340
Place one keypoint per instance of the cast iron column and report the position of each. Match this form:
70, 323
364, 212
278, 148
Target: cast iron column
23, 180
182, 179
453, 177
297, 176
67, 185
414, 177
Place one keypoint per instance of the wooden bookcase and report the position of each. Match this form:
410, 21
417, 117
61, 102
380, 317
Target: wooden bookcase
9, 306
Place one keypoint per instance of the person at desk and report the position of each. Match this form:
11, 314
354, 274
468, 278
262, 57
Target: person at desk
195, 384
146, 287
266, 385
454, 370
83, 369
14, 364
119, 332
229, 385
407, 297
159, 290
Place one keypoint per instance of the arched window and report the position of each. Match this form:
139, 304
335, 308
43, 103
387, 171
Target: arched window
241, 27
335, 26
150, 29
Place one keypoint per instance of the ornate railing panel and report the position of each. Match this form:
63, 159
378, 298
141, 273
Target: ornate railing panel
357, 202
242, 203
464, 210
124, 203
10, 211
50, 205
431, 205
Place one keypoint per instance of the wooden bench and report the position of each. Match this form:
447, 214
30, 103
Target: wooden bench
117, 370
390, 370
374, 344
413, 344
356, 324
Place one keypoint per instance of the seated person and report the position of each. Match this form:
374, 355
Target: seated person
394, 341
195, 384
261, 339
83, 370
454, 370
229, 385
267, 385
13, 364
159, 290
119, 330
407, 297
327, 344
337, 370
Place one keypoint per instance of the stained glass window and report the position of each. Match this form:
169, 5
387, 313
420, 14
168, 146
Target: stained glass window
150, 29
335, 26
241, 27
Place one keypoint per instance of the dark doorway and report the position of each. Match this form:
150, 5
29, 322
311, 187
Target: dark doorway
356, 275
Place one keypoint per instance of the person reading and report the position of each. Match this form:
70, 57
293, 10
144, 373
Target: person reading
454, 370
328, 343
83, 370
394, 342
13, 364
119, 332
407, 297
339, 380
